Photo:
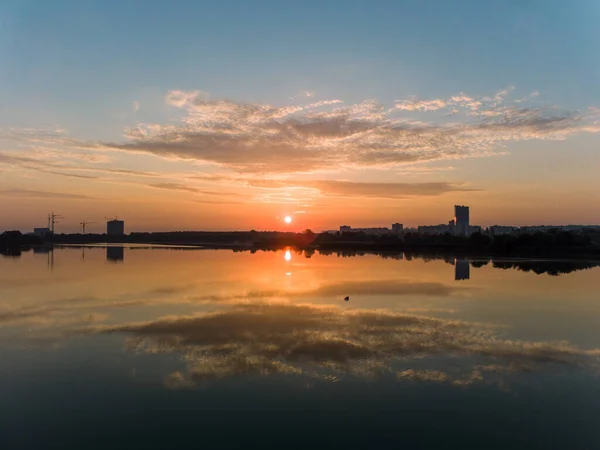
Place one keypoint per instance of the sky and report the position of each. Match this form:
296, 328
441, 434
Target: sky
232, 115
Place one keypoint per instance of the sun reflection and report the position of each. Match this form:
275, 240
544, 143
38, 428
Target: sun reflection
288, 255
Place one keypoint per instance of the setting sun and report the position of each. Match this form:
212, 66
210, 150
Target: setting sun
287, 219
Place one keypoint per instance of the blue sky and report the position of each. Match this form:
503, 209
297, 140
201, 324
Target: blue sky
94, 68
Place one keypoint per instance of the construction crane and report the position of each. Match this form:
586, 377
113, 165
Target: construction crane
83, 224
52, 220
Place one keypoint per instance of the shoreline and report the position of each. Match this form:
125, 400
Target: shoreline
349, 248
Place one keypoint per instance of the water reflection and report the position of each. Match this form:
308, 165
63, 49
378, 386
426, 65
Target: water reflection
114, 254
330, 343
462, 269
224, 325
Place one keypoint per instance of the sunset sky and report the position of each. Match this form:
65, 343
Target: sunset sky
232, 115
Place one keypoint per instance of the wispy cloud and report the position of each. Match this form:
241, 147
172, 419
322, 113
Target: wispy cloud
41, 194
322, 135
357, 189
328, 135
344, 187
186, 188
45, 161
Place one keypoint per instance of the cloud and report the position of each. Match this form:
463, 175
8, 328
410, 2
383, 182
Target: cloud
346, 188
69, 175
323, 135
357, 189
328, 135
183, 98
139, 173
42, 194
135, 105
421, 105
45, 160
186, 188
329, 342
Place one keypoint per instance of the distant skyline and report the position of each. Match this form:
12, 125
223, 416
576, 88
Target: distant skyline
233, 115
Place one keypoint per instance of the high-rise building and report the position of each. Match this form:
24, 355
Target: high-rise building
115, 227
461, 220
397, 228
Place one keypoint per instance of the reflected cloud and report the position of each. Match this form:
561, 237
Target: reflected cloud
343, 288
330, 342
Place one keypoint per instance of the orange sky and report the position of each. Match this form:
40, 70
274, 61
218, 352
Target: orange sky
219, 165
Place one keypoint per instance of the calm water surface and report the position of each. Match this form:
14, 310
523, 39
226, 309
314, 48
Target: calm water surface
164, 348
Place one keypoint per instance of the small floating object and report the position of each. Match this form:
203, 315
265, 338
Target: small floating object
346, 298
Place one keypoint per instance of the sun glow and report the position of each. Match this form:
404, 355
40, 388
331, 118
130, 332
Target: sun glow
287, 219
287, 255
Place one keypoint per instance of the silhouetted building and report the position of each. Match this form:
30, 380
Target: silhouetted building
434, 229
397, 228
497, 230
461, 220
473, 229
462, 269
373, 230
42, 232
114, 254
115, 227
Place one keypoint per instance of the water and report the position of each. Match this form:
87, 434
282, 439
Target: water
160, 348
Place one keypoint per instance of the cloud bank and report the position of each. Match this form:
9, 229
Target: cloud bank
327, 135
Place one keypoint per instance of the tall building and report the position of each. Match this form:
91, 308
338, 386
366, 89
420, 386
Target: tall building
461, 220
115, 227
397, 228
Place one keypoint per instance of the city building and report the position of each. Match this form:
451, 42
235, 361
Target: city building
498, 230
373, 230
434, 229
461, 220
397, 228
42, 232
115, 227
473, 229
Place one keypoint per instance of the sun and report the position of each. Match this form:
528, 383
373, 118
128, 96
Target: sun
287, 219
